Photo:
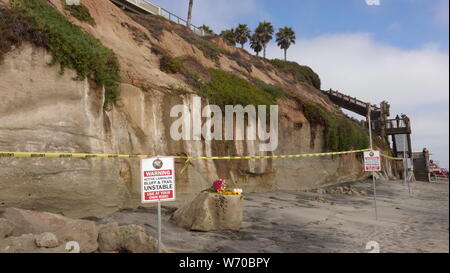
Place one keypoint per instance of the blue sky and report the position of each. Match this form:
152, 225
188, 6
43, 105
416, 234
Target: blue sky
404, 23
398, 51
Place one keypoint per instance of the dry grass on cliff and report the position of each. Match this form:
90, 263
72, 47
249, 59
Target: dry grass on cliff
154, 24
15, 29
214, 48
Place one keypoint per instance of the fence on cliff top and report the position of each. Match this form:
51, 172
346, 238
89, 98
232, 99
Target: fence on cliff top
143, 6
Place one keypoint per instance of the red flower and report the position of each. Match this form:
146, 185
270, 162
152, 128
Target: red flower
219, 184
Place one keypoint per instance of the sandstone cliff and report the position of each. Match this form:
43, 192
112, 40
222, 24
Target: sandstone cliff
44, 111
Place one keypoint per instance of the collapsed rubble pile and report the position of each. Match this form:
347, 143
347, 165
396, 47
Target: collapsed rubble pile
26, 231
336, 190
340, 190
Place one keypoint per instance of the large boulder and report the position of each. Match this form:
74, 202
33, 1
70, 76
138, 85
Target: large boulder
129, 239
20, 244
27, 243
210, 211
6, 228
47, 239
65, 229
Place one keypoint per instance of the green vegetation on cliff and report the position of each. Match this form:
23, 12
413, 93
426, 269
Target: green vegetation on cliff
170, 65
273, 90
36, 21
227, 89
222, 88
301, 73
341, 134
80, 12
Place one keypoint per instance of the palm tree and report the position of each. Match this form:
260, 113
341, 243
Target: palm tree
264, 33
189, 18
229, 35
242, 34
285, 37
256, 44
207, 30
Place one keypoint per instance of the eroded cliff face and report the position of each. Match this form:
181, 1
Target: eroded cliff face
44, 111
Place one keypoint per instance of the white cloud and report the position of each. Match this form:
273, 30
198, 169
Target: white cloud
431, 130
357, 64
415, 82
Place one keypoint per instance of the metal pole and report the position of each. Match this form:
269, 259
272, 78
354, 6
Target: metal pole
409, 188
373, 173
406, 167
159, 226
369, 118
375, 195
404, 160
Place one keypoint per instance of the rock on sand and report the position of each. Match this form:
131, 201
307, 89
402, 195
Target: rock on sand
210, 211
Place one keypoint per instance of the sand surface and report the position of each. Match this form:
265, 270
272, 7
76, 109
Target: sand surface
304, 222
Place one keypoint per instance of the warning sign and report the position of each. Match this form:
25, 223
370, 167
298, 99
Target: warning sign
372, 161
157, 179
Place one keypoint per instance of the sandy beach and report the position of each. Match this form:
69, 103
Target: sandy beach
310, 222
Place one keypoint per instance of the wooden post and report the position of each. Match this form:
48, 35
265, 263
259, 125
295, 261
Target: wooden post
409, 145
394, 145
369, 123
383, 118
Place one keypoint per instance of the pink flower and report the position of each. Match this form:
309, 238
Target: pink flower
219, 184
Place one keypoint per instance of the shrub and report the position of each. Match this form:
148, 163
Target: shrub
80, 12
170, 65
301, 73
138, 35
273, 90
155, 24
179, 90
72, 47
14, 29
237, 57
194, 66
341, 134
210, 49
227, 89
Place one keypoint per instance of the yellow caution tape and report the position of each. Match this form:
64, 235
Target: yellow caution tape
390, 157
85, 155
187, 158
186, 164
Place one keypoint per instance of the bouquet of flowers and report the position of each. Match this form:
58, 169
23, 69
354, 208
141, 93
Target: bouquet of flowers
220, 187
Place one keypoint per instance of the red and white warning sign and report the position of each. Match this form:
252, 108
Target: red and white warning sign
372, 161
157, 179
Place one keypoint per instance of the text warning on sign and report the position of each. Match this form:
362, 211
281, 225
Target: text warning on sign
372, 161
157, 179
